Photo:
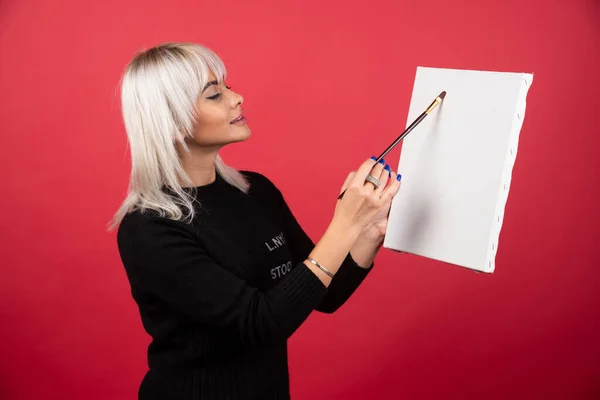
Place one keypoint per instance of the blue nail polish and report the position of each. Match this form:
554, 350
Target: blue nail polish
387, 167
382, 161
373, 158
399, 177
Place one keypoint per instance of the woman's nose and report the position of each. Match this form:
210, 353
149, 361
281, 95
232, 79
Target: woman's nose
237, 99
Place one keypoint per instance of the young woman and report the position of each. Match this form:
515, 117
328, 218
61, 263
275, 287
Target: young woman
220, 269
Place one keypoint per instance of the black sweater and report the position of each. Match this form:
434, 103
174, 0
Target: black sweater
220, 296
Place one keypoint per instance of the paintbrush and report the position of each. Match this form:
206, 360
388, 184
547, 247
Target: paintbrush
412, 126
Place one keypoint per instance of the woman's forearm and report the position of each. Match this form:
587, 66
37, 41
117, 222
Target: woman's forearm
365, 250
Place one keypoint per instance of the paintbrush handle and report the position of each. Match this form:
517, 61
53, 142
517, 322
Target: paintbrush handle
398, 140
403, 135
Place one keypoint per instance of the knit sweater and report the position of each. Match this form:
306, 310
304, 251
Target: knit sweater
221, 295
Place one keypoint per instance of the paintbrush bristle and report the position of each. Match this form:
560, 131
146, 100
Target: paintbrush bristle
442, 95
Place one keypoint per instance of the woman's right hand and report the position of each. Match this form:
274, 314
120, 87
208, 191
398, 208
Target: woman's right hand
362, 199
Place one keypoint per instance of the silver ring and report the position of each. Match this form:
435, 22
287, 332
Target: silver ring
373, 180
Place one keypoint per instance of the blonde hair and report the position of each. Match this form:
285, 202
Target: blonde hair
159, 90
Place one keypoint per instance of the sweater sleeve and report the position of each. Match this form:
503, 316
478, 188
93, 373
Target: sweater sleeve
348, 277
163, 258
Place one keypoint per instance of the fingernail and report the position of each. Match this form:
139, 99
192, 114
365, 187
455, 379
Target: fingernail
387, 167
399, 177
373, 158
382, 161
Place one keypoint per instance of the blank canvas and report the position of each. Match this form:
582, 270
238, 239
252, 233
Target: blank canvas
456, 166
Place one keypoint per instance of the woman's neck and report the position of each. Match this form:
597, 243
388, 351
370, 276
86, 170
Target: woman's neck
199, 164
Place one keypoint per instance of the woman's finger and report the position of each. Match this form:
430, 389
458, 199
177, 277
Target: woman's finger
383, 177
390, 191
361, 174
376, 173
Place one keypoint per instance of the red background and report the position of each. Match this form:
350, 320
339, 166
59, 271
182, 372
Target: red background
327, 84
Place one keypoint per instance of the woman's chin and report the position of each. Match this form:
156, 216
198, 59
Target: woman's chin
240, 134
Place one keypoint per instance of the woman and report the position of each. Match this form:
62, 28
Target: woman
221, 271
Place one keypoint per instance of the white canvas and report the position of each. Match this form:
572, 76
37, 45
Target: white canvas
456, 166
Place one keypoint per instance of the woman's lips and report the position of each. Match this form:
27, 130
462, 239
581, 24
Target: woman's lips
241, 120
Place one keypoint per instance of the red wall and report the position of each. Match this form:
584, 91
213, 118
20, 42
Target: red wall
327, 84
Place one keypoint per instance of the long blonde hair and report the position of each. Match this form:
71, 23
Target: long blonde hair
159, 90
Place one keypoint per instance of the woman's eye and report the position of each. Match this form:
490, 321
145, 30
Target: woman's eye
217, 95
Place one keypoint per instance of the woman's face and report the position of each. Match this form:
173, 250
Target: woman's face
220, 116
